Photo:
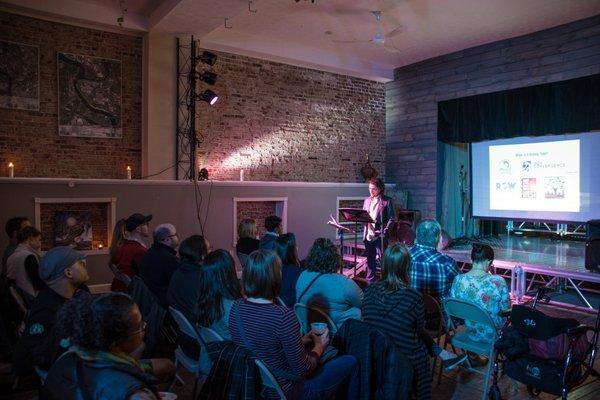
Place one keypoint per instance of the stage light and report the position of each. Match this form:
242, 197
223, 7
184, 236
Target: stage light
209, 96
208, 58
208, 77
203, 174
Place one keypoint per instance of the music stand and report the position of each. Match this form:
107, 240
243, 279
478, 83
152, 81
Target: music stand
356, 215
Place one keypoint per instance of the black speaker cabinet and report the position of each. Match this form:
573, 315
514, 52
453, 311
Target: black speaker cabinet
407, 221
592, 254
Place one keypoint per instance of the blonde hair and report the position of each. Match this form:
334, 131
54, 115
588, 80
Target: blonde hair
118, 236
247, 228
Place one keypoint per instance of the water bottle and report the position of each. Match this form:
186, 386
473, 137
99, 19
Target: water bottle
517, 283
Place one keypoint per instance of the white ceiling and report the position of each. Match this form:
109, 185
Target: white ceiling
315, 34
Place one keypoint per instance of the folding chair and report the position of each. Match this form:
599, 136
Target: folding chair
268, 380
307, 314
433, 309
468, 311
193, 366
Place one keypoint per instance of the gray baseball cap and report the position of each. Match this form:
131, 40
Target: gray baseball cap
56, 260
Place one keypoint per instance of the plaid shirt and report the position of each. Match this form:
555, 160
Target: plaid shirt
431, 272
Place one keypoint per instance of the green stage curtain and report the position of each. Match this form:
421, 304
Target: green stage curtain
451, 157
569, 106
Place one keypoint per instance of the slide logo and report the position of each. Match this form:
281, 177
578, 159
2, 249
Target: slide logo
505, 186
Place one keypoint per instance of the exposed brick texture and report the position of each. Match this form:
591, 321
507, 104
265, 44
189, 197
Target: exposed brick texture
256, 210
564, 52
30, 138
99, 219
284, 123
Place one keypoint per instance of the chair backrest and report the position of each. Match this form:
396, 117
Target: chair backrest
307, 314
467, 311
119, 275
18, 299
433, 310
184, 325
208, 335
268, 379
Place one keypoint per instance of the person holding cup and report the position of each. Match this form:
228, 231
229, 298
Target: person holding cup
272, 332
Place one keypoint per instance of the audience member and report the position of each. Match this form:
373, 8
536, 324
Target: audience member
64, 271
286, 249
273, 227
23, 264
118, 236
247, 241
104, 333
431, 272
160, 261
219, 287
185, 286
481, 287
129, 254
321, 286
396, 309
12, 226
272, 332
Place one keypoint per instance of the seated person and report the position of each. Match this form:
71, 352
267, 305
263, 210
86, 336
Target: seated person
185, 286
64, 272
272, 332
321, 286
127, 255
12, 227
247, 241
273, 227
219, 287
481, 287
160, 261
23, 264
103, 333
430, 271
286, 249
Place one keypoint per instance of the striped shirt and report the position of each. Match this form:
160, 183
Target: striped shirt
431, 272
273, 334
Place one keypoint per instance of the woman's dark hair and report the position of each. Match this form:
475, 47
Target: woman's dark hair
285, 247
218, 282
394, 267
482, 252
193, 249
26, 233
323, 257
96, 323
272, 222
13, 225
378, 182
262, 275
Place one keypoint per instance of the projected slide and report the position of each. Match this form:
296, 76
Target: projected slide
535, 177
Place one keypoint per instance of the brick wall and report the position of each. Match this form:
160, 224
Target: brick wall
564, 52
30, 138
256, 210
284, 123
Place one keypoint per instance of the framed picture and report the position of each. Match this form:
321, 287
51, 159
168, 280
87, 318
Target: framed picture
74, 229
89, 96
20, 76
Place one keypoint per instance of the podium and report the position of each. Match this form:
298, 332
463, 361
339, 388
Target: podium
356, 215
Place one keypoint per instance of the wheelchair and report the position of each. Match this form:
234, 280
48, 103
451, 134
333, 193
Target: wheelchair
547, 354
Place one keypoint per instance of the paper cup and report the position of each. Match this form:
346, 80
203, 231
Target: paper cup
318, 328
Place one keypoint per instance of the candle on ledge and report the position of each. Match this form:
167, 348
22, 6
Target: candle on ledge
11, 170
128, 172
100, 246
241, 174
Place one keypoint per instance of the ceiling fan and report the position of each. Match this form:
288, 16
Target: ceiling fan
380, 37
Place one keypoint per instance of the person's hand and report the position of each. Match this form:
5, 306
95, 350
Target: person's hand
321, 341
307, 339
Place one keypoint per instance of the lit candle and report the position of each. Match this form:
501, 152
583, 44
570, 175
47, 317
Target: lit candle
241, 174
128, 172
100, 246
11, 170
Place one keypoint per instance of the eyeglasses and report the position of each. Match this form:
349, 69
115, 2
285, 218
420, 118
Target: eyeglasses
142, 329
173, 235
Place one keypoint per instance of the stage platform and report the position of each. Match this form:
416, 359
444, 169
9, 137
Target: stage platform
559, 264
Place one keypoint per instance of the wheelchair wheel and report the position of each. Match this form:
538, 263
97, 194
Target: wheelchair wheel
533, 392
494, 393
